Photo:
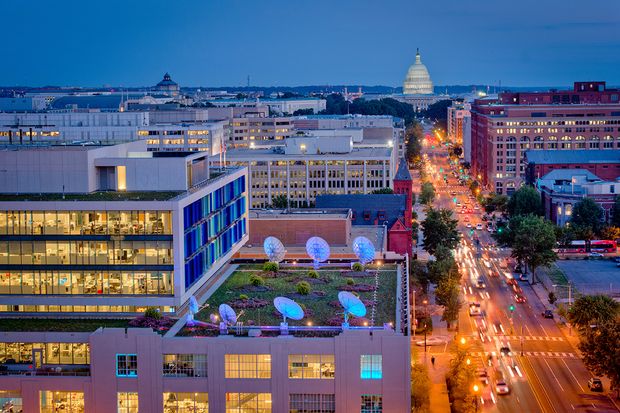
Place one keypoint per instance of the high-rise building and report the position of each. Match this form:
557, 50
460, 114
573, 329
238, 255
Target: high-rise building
456, 121
503, 129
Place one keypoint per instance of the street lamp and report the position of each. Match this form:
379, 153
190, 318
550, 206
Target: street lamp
476, 390
425, 302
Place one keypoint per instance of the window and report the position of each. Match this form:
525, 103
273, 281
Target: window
372, 403
366, 215
248, 366
248, 402
185, 365
61, 401
370, 366
186, 402
126, 365
127, 402
311, 366
312, 403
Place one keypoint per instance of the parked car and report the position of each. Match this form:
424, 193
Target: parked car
547, 314
595, 255
502, 388
595, 384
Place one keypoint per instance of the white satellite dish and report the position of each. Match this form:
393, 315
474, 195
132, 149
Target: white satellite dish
364, 250
317, 249
227, 314
288, 308
274, 249
352, 305
193, 305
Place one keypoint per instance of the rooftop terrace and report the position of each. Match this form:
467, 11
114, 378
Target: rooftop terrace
95, 196
254, 303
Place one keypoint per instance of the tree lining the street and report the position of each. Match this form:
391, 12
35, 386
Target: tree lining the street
526, 200
587, 219
600, 351
440, 228
427, 193
533, 242
592, 310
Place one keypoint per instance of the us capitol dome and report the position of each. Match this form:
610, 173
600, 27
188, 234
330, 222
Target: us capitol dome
418, 81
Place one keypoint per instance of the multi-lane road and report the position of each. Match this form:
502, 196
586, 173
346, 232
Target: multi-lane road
543, 371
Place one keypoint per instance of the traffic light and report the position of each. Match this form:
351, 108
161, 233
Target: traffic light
511, 308
500, 230
454, 200
471, 232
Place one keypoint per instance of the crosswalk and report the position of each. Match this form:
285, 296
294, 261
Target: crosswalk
547, 354
528, 338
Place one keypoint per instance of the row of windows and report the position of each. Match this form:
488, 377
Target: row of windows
85, 222
53, 353
199, 210
52, 252
177, 402
202, 261
81, 309
86, 282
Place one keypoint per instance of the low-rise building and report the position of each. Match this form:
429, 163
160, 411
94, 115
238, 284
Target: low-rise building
281, 106
605, 164
113, 229
257, 129
200, 136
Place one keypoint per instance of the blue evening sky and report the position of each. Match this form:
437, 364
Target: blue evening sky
299, 42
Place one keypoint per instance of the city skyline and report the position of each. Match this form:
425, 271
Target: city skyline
311, 43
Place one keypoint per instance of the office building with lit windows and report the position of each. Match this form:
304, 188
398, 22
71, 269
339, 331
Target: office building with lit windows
504, 129
307, 166
245, 368
113, 229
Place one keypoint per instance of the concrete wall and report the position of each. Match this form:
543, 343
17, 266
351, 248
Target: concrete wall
296, 231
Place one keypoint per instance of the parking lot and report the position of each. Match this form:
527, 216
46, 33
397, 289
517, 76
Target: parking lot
593, 276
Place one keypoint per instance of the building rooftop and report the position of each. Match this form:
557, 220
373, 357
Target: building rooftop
403, 174
542, 157
254, 304
307, 213
94, 196
368, 209
356, 153
569, 174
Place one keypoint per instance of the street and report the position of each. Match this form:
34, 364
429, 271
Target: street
540, 367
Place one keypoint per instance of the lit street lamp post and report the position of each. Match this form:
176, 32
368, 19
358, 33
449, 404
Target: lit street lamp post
476, 390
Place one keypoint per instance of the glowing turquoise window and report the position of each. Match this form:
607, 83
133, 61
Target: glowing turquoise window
371, 367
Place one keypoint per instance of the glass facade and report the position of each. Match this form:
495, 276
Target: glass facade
52, 353
186, 403
84, 253
212, 226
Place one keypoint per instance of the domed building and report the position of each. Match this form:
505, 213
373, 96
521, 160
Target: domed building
167, 86
418, 80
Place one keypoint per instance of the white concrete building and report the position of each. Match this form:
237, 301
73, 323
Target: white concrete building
279, 106
200, 136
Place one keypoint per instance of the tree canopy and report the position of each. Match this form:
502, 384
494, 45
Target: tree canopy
495, 202
427, 193
526, 200
383, 191
615, 212
601, 353
413, 141
533, 241
587, 214
337, 105
593, 309
440, 228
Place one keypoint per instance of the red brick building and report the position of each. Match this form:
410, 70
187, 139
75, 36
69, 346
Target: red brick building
503, 129
605, 164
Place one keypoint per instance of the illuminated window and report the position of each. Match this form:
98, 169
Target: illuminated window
311, 366
312, 403
371, 366
127, 402
248, 402
121, 178
126, 365
61, 401
248, 366
372, 403
185, 365
186, 402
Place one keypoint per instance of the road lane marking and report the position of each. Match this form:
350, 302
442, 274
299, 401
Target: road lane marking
553, 374
543, 329
571, 373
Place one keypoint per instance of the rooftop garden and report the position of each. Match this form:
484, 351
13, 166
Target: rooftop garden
95, 196
251, 289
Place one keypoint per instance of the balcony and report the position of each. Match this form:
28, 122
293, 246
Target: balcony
26, 369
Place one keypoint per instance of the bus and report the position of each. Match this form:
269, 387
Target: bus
575, 247
603, 246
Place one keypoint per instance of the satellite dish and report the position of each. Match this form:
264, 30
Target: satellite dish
274, 249
227, 314
288, 308
193, 305
318, 249
364, 250
352, 305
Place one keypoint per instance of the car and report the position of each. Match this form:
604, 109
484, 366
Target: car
482, 374
466, 219
595, 255
474, 309
511, 281
595, 384
432, 341
547, 314
458, 204
480, 283
468, 225
520, 298
502, 388
505, 350
516, 287
523, 277
479, 227
477, 208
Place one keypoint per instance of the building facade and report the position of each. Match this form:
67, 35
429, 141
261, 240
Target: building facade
303, 174
202, 136
113, 229
277, 106
457, 113
249, 129
503, 129
603, 163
